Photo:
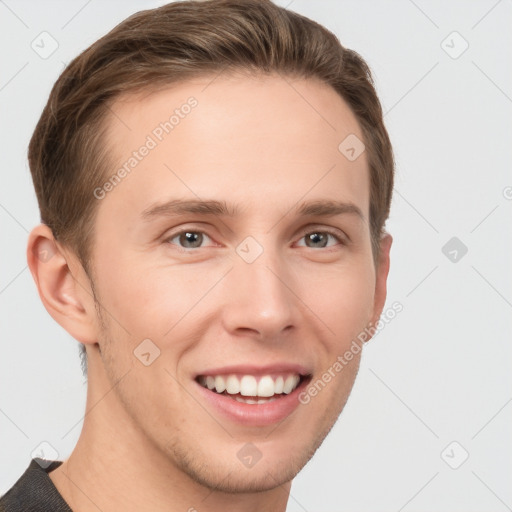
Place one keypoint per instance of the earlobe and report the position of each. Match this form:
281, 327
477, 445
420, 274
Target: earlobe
65, 294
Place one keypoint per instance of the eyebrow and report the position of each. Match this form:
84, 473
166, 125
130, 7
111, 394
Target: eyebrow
174, 207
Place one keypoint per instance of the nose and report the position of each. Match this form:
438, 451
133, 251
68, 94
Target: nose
259, 299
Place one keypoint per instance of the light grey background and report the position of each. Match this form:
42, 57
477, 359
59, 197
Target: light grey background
437, 373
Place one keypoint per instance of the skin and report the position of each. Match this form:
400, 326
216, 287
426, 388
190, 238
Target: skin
149, 441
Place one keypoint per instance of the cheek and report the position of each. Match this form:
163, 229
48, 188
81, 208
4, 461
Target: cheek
342, 300
151, 301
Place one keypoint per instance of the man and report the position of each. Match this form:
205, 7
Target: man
213, 180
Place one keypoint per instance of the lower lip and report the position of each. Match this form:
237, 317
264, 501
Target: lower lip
254, 414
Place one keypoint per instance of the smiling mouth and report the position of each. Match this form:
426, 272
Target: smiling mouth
252, 389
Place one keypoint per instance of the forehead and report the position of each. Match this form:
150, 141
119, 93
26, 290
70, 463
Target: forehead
260, 138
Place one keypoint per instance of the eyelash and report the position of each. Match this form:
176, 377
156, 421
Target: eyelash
332, 233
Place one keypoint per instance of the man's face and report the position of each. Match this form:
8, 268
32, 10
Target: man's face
264, 297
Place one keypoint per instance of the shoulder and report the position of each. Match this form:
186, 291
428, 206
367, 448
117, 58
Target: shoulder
34, 490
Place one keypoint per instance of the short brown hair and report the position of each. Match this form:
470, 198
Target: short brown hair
169, 44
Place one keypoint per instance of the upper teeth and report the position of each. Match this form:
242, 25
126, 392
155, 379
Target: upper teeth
249, 385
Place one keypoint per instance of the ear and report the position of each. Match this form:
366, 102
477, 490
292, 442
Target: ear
381, 277
62, 284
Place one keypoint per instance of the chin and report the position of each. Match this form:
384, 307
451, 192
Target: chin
236, 479
226, 472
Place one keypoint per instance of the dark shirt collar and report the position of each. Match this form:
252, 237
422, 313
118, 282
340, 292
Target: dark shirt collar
35, 491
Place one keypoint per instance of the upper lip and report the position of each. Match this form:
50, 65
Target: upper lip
251, 369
